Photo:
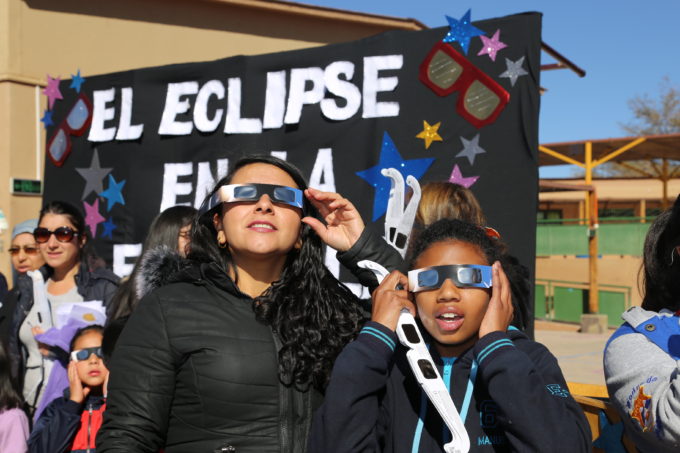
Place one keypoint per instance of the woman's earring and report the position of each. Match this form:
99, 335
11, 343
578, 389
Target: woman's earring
221, 240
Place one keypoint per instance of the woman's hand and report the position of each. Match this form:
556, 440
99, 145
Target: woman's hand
78, 392
42, 347
500, 310
343, 222
388, 301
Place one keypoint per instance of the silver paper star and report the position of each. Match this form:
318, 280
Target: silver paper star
94, 175
470, 149
514, 70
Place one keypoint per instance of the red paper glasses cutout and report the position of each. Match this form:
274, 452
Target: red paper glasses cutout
481, 98
75, 123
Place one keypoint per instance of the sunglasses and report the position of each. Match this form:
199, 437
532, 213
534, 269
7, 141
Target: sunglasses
428, 377
28, 250
83, 354
445, 71
63, 234
75, 123
462, 275
233, 193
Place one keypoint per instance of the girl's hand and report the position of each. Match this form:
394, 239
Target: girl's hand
388, 301
343, 222
499, 312
78, 392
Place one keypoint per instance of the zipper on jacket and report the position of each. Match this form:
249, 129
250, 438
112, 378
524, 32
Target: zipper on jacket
89, 426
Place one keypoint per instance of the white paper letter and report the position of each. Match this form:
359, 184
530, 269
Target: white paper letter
127, 131
201, 120
275, 100
205, 181
175, 106
298, 96
234, 123
101, 114
172, 188
121, 253
341, 88
323, 169
373, 84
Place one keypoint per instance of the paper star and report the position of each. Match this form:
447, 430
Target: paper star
76, 81
492, 45
390, 158
458, 178
514, 70
52, 91
610, 439
109, 226
462, 31
47, 119
429, 134
470, 149
93, 176
113, 194
92, 216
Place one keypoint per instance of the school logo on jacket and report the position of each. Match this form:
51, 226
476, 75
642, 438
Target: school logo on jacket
640, 410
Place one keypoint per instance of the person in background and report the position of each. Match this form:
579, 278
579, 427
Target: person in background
70, 423
25, 257
63, 242
642, 358
446, 200
13, 420
169, 233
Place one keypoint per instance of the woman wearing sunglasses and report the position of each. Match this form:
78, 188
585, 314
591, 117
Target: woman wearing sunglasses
235, 354
62, 239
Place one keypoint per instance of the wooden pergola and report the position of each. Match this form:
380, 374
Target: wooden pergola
588, 154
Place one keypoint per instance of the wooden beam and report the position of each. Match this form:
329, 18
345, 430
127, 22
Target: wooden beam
560, 156
619, 151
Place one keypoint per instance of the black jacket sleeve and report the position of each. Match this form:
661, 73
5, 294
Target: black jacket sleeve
550, 420
141, 384
374, 248
55, 428
351, 418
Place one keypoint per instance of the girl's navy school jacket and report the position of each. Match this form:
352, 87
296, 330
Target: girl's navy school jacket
517, 399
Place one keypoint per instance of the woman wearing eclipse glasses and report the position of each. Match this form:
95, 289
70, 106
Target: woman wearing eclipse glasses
61, 236
508, 391
234, 352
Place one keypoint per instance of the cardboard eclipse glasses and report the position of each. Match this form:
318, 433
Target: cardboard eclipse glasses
233, 193
462, 275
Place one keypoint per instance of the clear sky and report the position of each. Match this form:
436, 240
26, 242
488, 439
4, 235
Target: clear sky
626, 48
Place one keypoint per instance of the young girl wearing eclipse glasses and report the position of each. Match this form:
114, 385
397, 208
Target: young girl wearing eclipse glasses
61, 236
234, 351
508, 390
70, 423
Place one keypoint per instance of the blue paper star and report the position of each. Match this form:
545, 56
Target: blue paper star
390, 158
610, 436
109, 226
462, 31
113, 194
76, 81
47, 119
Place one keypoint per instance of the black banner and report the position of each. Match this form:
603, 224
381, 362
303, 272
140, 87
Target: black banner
139, 141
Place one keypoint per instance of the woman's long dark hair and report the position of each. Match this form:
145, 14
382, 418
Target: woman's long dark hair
9, 397
163, 232
456, 230
661, 262
312, 313
87, 254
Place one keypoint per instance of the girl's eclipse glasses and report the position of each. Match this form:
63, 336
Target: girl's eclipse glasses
462, 275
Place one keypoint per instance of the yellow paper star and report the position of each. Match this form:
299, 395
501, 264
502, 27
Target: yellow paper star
429, 134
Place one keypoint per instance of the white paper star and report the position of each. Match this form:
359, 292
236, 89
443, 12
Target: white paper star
470, 149
514, 70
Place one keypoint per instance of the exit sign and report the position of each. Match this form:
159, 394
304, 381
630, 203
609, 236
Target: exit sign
26, 186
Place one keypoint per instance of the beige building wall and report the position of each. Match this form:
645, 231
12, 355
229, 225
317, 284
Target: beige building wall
58, 37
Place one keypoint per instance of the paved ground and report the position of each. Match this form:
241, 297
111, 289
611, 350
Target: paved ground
579, 354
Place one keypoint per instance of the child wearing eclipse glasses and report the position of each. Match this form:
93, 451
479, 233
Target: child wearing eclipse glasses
508, 390
70, 423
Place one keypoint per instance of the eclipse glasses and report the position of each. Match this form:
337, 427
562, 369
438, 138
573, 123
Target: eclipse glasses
83, 354
462, 275
233, 193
